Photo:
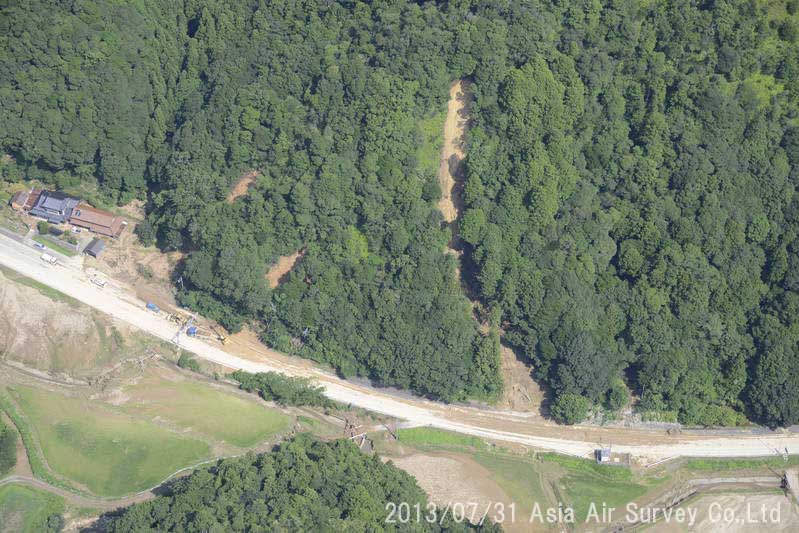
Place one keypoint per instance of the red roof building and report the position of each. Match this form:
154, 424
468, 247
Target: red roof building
97, 220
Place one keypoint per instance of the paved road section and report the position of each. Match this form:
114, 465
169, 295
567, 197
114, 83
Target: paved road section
504, 426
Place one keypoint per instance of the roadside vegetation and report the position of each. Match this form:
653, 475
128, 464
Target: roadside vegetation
8, 448
285, 390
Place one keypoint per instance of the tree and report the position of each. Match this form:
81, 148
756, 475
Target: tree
8, 449
302, 485
570, 409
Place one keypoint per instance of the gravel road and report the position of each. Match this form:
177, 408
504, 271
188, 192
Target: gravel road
503, 426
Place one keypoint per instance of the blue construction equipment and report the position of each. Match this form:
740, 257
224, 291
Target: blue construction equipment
152, 307
191, 331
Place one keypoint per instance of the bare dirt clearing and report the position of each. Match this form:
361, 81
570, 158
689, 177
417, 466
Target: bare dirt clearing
521, 392
453, 479
278, 272
242, 186
47, 335
147, 269
450, 172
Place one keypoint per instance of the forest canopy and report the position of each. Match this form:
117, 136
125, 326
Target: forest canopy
303, 485
630, 210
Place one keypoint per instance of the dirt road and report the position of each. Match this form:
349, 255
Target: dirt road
506, 426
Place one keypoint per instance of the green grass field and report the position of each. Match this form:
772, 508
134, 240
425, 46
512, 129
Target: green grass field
578, 482
429, 438
223, 416
109, 453
24, 509
519, 477
756, 463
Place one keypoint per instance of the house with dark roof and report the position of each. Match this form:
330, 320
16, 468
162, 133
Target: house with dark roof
53, 206
97, 220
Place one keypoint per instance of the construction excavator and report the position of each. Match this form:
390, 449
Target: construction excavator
200, 333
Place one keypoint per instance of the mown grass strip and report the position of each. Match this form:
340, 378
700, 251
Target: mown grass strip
58, 248
755, 463
436, 438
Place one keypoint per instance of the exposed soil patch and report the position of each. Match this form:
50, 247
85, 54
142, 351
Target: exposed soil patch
242, 186
450, 478
134, 210
41, 333
450, 172
278, 273
146, 268
521, 393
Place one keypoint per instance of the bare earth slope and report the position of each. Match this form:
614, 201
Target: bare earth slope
450, 171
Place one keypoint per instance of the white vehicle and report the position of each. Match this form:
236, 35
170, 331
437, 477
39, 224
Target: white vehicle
47, 258
100, 282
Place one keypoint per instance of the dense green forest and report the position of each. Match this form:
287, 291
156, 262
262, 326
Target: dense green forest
304, 485
630, 207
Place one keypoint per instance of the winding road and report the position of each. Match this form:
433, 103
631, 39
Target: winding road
524, 429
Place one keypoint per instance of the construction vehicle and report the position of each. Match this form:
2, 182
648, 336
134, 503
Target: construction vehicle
47, 258
221, 337
198, 333
152, 307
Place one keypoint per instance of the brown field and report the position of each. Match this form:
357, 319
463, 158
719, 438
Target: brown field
56, 337
454, 478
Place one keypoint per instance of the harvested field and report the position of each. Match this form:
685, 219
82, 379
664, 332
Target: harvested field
242, 186
48, 332
279, 271
453, 478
